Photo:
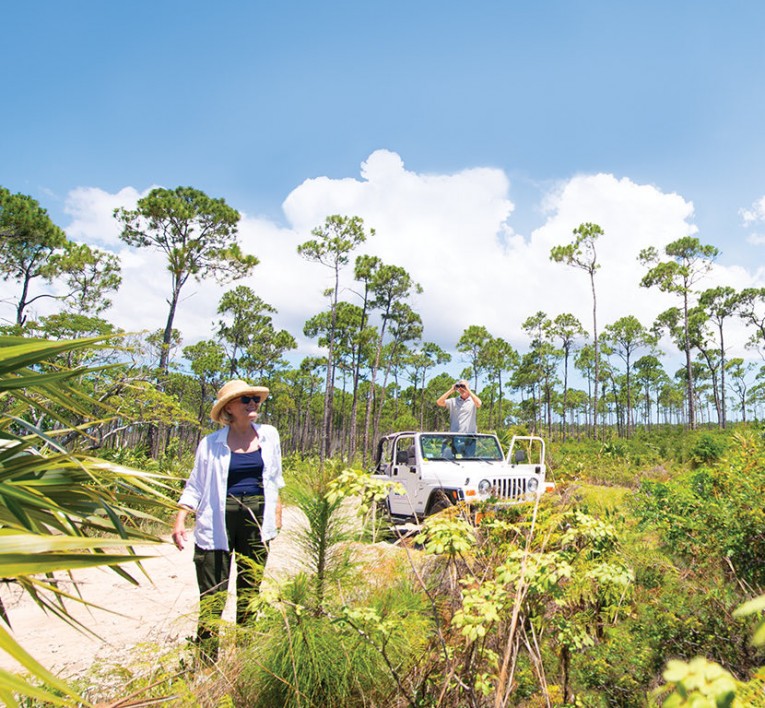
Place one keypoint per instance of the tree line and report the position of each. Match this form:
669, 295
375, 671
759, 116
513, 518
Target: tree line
377, 373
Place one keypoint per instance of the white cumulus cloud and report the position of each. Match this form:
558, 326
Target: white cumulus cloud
445, 230
754, 213
92, 212
453, 233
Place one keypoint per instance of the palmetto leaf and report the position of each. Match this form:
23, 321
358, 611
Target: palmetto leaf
11, 684
30, 386
28, 554
59, 511
20, 352
12, 564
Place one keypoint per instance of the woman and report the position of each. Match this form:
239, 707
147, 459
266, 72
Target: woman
234, 492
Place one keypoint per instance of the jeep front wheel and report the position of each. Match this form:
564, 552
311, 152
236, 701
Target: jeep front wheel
438, 502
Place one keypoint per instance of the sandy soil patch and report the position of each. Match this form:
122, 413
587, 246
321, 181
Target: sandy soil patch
161, 610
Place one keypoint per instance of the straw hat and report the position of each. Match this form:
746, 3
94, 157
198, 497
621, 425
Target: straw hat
232, 390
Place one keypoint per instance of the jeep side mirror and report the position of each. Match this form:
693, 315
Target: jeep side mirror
520, 456
401, 457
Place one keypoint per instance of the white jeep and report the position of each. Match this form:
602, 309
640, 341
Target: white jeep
437, 470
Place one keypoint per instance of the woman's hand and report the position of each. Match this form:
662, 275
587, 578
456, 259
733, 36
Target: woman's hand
179, 538
179, 529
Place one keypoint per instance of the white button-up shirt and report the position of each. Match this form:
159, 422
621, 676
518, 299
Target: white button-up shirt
205, 491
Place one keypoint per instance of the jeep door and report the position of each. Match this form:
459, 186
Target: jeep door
405, 471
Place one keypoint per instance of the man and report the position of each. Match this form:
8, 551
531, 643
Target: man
462, 409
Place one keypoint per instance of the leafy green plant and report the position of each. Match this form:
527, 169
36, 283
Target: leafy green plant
707, 449
369, 494
712, 516
699, 683
322, 540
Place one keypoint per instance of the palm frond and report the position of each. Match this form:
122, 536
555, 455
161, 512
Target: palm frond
11, 684
60, 511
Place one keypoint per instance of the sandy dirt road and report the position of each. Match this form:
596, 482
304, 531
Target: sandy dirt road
161, 611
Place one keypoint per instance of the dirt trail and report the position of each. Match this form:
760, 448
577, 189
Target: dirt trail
161, 610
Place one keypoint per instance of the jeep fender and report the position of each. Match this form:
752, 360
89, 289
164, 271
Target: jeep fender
442, 498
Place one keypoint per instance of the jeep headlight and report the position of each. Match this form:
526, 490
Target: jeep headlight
484, 486
532, 485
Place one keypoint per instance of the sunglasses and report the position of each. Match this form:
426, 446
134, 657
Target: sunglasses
246, 399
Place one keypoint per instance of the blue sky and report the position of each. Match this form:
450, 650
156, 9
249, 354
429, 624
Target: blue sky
523, 104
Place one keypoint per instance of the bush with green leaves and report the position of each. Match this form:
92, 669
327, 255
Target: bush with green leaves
707, 449
534, 586
712, 517
701, 682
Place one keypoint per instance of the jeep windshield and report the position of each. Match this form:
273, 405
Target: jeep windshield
460, 447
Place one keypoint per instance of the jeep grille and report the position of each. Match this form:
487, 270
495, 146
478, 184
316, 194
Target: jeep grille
508, 488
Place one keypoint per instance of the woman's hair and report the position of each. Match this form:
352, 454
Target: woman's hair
225, 417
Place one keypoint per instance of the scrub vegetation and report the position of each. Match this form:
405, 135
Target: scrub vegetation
627, 586
639, 581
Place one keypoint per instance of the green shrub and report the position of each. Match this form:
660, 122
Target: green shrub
616, 670
340, 657
337, 634
154, 674
713, 517
707, 449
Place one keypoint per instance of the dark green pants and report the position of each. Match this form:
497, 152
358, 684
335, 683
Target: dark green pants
244, 517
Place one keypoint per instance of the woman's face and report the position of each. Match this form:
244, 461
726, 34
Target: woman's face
239, 410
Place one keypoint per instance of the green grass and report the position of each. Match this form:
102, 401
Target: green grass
600, 499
